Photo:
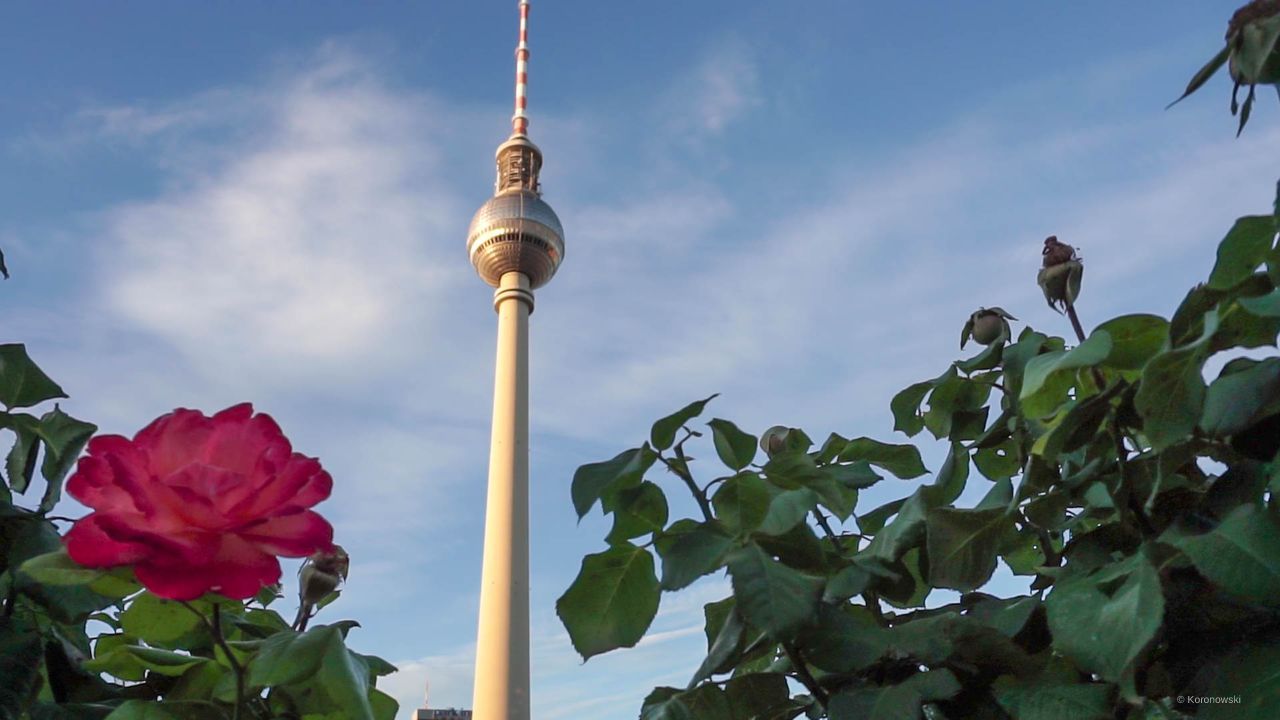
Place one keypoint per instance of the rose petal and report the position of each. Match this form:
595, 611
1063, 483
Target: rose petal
89, 545
300, 484
188, 546
296, 535
172, 441
237, 571
239, 442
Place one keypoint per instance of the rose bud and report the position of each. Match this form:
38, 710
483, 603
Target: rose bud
774, 440
322, 573
1059, 279
987, 326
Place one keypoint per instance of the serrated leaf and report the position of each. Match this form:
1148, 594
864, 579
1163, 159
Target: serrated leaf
1135, 339
1171, 396
771, 596
906, 408
159, 622
1241, 556
663, 433
1106, 634
736, 448
894, 702
902, 461
741, 502
1242, 251
786, 509
1040, 396
963, 546
22, 383
1234, 402
724, 648
611, 602
1267, 306
1049, 701
693, 554
64, 437
638, 511
591, 482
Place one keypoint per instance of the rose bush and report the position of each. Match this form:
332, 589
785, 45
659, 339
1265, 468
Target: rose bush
176, 566
199, 504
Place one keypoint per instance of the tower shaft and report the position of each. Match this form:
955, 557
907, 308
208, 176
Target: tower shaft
502, 644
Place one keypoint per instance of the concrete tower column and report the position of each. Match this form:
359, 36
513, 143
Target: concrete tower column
502, 645
516, 244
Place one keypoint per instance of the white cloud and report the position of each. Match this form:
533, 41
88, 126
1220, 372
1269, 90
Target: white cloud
716, 92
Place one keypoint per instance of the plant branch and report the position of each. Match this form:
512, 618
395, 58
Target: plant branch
826, 528
681, 470
214, 625
1075, 325
804, 676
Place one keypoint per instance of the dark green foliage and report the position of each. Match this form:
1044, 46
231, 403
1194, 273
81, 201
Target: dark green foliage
158, 659
1134, 496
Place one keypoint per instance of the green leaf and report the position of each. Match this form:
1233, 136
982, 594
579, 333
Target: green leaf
1241, 556
736, 448
901, 460
1203, 74
1043, 388
167, 710
20, 464
707, 702
638, 511
22, 383
612, 601
57, 569
663, 434
894, 702
723, 650
161, 662
741, 502
160, 623
1047, 701
770, 595
1171, 396
1267, 306
287, 658
345, 678
1106, 634
384, 706
757, 695
593, 481
844, 639
1242, 251
1251, 673
906, 407
1134, 339
963, 546
21, 657
694, 553
906, 531
1236, 401
999, 462
787, 509
64, 438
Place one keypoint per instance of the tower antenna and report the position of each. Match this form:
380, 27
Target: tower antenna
520, 121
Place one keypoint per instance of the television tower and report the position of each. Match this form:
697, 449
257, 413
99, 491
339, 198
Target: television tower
516, 243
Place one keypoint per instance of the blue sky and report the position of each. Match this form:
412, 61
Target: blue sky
793, 204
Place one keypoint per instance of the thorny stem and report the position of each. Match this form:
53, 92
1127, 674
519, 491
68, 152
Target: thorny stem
805, 677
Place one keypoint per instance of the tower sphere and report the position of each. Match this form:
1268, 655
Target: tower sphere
515, 230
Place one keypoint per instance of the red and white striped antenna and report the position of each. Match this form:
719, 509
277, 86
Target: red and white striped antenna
519, 121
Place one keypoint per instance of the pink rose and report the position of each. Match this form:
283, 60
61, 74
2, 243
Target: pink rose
199, 504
